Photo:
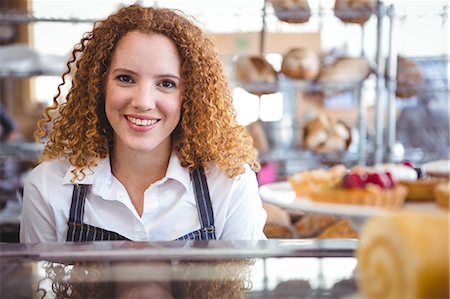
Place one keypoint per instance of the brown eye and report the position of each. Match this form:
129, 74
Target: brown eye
125, 78
168, 84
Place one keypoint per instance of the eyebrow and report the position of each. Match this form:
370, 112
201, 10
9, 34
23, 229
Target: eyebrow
122, 70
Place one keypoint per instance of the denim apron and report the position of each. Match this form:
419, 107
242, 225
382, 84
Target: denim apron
81, 232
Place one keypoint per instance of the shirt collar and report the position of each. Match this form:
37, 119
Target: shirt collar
177, 172
101, 174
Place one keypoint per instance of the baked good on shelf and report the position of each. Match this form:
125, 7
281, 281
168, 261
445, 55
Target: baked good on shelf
345, 71
404, 255
421, 189
275, 231
292, 11
409, 78
326, 134
438, 168
354, 11
311, 224
418, 188
342, 228
306, 183
301, 63
260, 141
360, 186
256, 73
278, 223
442, 194
399, 172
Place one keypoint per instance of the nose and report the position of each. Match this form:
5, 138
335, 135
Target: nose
144, 97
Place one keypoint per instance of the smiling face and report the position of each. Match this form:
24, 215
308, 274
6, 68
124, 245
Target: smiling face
143, 92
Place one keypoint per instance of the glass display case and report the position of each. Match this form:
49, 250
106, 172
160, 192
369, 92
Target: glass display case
180, 269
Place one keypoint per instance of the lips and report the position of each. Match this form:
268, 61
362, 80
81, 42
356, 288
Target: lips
141, 122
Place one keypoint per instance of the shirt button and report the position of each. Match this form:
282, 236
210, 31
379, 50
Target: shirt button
152, 197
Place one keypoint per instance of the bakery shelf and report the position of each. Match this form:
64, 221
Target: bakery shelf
377, 141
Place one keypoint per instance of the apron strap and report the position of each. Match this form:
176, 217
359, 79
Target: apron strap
201, 191
78, 200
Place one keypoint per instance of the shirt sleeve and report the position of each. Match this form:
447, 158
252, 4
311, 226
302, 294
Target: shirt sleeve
37, 220
246, 217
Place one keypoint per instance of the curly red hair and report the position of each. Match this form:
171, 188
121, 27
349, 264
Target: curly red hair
208, 130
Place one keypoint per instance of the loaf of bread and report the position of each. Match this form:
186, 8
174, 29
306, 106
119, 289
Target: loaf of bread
354, 11
404, 255
409, 78
346, 70
260, 141
256, 74
301, 63
292, 11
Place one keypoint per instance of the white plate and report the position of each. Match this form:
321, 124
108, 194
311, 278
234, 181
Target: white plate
282, 194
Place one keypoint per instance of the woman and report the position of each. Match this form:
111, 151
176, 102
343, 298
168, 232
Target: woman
146, 145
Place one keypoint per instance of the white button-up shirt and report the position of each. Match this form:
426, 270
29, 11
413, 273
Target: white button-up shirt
170, 209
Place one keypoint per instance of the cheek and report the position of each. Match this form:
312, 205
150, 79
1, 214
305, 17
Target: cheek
172, 109
113, 102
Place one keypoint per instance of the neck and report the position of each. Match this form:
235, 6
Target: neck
138, 170
140, 167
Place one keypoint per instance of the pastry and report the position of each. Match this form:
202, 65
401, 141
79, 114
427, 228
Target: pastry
398, 171
309, 182
438, 168
342, 228
354, 11
404, 255
310, 225
256, 74
292, 11
420, 187
326, 134
301, 63
370, 195
409, 78
275, 231
346, 70
442, 194
360, 186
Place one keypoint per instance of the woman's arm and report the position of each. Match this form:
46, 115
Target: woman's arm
37, 219
246, 217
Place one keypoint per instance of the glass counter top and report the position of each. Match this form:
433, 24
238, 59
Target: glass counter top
180, 269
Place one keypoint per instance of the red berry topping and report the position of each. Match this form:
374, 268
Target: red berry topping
408, 163
379, 179
391, 179
354, 180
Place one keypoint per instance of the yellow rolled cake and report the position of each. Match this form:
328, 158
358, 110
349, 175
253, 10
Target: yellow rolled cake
404, 255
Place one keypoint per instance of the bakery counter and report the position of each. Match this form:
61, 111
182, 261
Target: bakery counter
180, 269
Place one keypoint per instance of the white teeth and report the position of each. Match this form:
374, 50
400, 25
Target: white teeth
141, 122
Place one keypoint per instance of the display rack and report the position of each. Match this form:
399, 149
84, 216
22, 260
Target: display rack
289, 152
377, 148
